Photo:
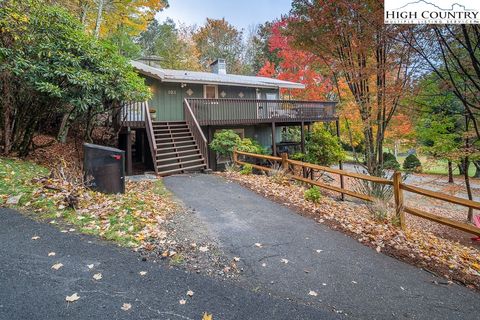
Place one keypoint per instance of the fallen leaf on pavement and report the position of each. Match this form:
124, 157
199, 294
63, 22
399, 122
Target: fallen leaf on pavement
126, 306
57, 266
97, 276
190, 293
312, 293
183, 301
74, 297
378, 249
207, 316
236, 259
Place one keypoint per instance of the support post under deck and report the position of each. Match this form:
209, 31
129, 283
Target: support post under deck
274, 143
129, 152
340, 163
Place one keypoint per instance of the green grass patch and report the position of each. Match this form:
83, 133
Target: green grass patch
128, 219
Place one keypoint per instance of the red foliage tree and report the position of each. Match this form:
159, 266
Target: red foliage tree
295, 65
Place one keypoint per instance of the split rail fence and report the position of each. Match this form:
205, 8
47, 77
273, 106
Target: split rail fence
289, 166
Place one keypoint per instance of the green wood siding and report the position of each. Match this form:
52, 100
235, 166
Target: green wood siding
168, 98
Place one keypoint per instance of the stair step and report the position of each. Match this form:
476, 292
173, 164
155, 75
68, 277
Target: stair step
179, 163
174, 134
173, 130
159, 150
179, 158
181, 169
175, 139
183, 124
178, 142
178, 152
168, 122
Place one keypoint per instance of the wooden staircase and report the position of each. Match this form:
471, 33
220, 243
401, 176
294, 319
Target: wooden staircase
177, 151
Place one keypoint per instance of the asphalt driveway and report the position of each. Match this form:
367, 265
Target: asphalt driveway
286, 255
31, 289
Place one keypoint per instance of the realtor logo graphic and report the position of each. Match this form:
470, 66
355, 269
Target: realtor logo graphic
432, 11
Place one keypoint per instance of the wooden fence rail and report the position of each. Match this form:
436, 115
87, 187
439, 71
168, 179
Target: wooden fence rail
398, 188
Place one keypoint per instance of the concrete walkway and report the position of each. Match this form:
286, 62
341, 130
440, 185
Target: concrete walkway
31, 289
349, 279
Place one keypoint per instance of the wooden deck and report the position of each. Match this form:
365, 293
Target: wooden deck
238, 112
253, 111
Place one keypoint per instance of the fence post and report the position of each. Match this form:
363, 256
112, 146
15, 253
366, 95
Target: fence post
398, 193
284, 161
235, 155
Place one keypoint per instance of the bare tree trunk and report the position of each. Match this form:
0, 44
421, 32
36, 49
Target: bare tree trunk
7, 113
469, 189
461, 167
476, 163
83, 13
98, 21
466, 165
63, 130
450, 172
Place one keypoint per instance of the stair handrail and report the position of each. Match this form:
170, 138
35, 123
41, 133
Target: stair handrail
196, 131
150, 135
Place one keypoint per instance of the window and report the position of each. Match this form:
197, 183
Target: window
210, 92
271, 96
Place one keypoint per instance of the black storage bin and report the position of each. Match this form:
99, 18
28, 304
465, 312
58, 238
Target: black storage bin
104, 168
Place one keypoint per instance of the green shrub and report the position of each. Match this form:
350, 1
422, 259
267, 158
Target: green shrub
224, 142
412, 163
313, 194
298, 156
249, 145
247, 169
390, 162
323, 148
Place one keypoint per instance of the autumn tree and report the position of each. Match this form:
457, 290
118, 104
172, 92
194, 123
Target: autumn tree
172, 45
349, 37
294, 65
258, 51
103, 17
219, 39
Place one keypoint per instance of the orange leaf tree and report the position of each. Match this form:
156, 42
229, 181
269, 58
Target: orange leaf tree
349, 36
295, 65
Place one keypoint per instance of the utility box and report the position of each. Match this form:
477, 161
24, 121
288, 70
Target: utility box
104, 168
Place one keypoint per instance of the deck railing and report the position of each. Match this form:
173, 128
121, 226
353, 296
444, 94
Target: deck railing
197, 132
150, 135
133, 114
251, 111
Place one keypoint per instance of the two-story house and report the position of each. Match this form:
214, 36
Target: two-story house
171, 132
